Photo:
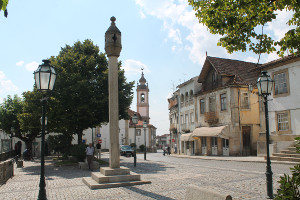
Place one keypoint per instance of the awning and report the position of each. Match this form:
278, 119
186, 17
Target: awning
220, 131
186, 137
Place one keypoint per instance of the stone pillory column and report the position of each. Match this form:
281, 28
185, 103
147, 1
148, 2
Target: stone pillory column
114, 175
113, 48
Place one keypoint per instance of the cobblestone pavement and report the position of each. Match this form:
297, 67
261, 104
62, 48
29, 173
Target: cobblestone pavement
170, 177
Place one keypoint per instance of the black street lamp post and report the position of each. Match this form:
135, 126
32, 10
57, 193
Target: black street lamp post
135, 120
44, 78
264, 85
145, 126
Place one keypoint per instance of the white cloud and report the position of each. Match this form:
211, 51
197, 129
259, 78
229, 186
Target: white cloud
20, 63
253, 60
133, 67
6, 86
271, 57
185, 31
32, 66
143, 16
183, 28
279, 26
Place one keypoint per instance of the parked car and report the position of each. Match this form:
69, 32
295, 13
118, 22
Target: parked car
126, 150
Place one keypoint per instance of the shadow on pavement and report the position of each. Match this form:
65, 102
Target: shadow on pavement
148, 194
145, 168
70, 172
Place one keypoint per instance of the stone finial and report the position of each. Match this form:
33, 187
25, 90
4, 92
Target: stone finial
113, 44
112, 19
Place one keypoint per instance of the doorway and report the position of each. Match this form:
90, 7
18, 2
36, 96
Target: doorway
246, 132
203, 145
214, 146
225, 147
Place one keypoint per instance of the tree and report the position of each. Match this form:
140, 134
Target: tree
23, 115
81, 89
9, 111
238, 22
29, 118
3, 5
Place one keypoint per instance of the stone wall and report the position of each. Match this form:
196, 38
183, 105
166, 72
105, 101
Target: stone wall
6, 170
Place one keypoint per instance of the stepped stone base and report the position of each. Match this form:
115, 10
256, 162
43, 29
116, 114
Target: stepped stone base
113, 177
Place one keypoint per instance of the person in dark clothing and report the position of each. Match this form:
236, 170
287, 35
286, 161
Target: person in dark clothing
168, 149
98, 150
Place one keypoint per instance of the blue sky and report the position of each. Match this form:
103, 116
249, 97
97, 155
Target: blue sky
162, 36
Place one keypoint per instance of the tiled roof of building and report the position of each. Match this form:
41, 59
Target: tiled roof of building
186, 82
280, 61
240, 71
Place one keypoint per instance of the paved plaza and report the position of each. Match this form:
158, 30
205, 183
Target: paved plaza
170, 177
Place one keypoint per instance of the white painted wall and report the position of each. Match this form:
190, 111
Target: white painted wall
290, 102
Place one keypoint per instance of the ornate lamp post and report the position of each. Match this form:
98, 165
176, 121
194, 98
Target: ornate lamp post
264, 85
44, 79
135, 120
145, 126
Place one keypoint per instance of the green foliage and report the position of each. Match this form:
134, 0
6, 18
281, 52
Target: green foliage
78, 151
65, 163
23, 115
239, 23
133, 145
80, 96
142, 147
60, 144
9, 111
3, 5
290, 184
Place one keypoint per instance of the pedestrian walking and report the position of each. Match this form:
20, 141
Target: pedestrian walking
89, 155
168, 149
98, 150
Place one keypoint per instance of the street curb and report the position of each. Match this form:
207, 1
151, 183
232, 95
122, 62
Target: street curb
214, 158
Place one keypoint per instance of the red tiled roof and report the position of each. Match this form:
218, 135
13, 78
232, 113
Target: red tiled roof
240, 71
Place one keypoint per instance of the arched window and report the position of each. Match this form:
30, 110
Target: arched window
182, 98
142, 98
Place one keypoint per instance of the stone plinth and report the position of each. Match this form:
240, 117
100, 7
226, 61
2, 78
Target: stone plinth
113, 177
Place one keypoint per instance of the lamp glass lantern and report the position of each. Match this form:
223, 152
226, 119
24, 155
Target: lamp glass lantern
46, 119
135, 119
45, 76
264, 84
145, 124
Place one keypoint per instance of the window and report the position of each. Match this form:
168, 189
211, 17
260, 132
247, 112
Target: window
281, 83
186, 98
202, 106
212, 104
283, 121
192, 117
214, 79
245, 100
138, 132
223, 101
142, 98
186, 118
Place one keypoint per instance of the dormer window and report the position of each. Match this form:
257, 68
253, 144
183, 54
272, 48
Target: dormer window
214, 80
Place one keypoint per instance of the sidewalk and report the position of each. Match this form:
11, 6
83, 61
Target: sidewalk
234, 158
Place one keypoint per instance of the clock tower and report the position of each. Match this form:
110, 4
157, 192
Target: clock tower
142, 92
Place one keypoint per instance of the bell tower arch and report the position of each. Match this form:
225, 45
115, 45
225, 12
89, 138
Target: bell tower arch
142, 92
